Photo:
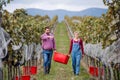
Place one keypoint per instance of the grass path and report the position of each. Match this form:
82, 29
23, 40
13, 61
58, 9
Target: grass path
61, 71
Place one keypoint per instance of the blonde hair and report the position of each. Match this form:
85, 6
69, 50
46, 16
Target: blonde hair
77, 32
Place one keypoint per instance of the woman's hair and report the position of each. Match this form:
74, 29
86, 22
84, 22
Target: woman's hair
77, 32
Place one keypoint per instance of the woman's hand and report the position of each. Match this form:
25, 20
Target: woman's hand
68, 55
83, 55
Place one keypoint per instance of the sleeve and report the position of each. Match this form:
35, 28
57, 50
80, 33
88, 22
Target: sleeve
43, 37
82, 47
71, 43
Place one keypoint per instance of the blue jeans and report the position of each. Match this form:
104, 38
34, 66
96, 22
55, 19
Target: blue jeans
47, 56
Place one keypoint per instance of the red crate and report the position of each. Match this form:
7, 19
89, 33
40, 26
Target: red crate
94, 71
16, 78
61, 58
26, 70
26, 77
29, 70
33, 70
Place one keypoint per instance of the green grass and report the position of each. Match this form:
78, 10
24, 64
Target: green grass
61, 71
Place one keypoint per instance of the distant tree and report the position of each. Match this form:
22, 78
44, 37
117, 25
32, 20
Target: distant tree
3, 3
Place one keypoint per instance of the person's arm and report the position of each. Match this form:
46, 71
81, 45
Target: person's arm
82, 47
54, 45
70, 49
43, 37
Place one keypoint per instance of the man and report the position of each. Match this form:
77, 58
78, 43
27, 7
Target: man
48, 45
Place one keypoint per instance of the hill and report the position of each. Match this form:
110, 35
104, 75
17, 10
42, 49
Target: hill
61, 13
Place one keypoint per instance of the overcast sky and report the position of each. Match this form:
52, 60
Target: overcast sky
72, 5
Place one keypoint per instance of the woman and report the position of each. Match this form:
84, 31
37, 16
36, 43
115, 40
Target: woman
76, 50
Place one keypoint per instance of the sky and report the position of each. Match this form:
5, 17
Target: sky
71, 5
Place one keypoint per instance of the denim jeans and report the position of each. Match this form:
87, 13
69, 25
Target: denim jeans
47, 56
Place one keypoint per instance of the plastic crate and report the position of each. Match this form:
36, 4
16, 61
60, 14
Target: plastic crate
33, 70
16, 78
26, 70
61, 58
26, 77
95, 71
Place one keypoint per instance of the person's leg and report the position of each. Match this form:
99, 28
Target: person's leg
45, 61
73, 62
78, 58
49, 60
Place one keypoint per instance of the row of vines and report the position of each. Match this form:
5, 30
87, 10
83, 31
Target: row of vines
20, 40
104, 29
101, 36
23, 29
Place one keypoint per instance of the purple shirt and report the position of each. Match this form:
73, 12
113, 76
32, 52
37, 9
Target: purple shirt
48, 43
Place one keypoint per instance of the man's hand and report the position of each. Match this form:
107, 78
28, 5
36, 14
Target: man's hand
50, 37
54, 50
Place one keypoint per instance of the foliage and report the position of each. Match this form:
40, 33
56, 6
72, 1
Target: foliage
23, 28
104, 29
113, 15
4, 2
92, 29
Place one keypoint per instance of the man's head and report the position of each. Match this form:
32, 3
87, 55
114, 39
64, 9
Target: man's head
47, 30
